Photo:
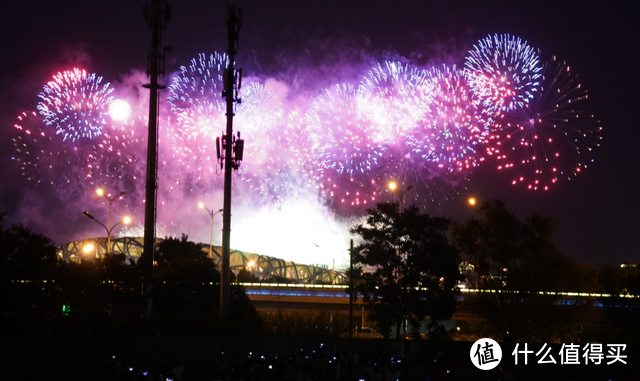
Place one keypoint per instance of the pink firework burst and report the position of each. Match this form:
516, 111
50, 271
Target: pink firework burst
550, 137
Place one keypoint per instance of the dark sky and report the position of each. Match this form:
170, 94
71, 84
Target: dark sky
595, 212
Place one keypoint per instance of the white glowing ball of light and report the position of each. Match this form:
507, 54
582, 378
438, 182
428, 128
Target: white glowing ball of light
120, 110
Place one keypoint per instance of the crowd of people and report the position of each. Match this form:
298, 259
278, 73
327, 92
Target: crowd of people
298, 365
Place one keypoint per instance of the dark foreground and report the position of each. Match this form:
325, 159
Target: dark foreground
276, 358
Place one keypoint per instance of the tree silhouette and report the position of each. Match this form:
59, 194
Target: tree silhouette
28, 265
517, 260
187, 292
25, 254
622, 312
405, 267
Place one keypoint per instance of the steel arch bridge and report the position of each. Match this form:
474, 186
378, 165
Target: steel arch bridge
261, 266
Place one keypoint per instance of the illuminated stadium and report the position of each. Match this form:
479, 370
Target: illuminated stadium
261, 266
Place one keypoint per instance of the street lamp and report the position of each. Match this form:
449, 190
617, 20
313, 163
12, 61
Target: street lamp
212, 214
125, 221
110, 199
393, 187
472, 202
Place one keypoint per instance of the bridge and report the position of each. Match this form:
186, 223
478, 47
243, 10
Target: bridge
260, 266
310, 287
273, 297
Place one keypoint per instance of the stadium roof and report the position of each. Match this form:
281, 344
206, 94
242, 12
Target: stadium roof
262, 266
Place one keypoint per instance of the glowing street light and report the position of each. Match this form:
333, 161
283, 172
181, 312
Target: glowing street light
201, 205
474, 267
110, 199
88, 249
394, 187
125, 221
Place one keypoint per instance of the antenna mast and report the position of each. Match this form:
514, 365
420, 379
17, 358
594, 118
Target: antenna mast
232, 147
156, 14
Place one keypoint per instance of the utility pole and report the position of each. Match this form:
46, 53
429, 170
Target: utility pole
351, 297
232, 147
156, 14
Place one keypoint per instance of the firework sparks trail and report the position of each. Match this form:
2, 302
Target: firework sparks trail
347, 146
546, 139
395, 97
422, 149
199, 113
285, 170
117, 160
503, 72
46, 160
75, 104
452, 128
422, 128
258, 119
201, 116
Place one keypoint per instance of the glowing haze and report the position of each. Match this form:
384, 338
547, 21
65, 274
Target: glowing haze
314, 159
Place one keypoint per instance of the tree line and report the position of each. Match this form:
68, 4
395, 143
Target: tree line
408, 268
43, 295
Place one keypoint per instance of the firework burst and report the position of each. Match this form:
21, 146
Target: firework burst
45, 160
394, 96
117, 159
503, 72
120, 110
546, 139
347, 146
199, 112
283, 168
452, 128
75, 104
259, 118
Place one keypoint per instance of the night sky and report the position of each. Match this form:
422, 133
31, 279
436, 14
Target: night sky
307, 45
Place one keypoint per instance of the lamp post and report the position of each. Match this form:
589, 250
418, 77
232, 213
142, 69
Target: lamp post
212, 214
393, 186
351, 296
110, 199
472, 202
125, 221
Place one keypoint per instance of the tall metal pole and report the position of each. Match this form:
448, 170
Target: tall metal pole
109, 230
351, 297
211, 214
156, 14
211, 238
110, 199
233, 26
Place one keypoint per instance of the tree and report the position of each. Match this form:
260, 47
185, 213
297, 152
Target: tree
622, 312
28, 264
187, 292
405, 269
25, 254
517, 260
